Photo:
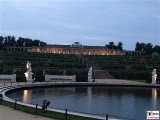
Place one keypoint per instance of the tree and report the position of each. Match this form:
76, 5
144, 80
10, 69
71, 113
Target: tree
111, 45
9, 41
28, 42
119, 46
42, 43
13, 41
148, 48
137, 47
1, 41
107, 45
140, 46
5, 41
156, 48
36, 42
20, 42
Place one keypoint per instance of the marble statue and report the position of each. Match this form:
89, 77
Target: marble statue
90, 70
90, 74
154, 76
28, 66
28, 73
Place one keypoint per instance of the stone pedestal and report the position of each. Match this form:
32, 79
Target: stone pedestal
89, 78
154, 79
28, 76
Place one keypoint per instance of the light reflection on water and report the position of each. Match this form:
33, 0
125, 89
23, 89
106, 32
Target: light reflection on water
154, 97
25, 96
124, 102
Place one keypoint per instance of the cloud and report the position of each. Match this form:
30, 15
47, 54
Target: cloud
156, 16
78, 27
96, 37
26, 33
90, 38
66, 21
27, 5
65, 43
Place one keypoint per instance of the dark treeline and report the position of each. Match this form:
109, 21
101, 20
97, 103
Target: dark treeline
111, 45
147, 47
20, 42
27, 42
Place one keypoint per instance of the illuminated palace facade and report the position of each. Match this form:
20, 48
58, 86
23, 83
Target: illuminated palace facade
76, 48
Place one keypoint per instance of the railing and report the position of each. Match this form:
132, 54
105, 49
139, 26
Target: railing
108, 82
65, 113
58, 113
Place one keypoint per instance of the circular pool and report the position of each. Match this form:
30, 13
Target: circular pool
126, 102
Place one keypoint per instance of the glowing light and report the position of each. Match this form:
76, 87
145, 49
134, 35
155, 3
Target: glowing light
38, 50
25, 95
26, 75
154, 97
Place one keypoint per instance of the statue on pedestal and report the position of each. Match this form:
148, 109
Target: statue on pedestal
28, 74
90, 74
154, 76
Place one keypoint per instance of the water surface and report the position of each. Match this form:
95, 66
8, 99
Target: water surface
125, 102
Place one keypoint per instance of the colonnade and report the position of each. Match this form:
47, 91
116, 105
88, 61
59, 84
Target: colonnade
78, 51
84, 51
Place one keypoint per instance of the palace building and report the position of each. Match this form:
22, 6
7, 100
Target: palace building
76, 48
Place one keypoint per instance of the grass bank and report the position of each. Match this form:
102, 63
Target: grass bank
49, 114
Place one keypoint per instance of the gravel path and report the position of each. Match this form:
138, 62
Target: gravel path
7, 113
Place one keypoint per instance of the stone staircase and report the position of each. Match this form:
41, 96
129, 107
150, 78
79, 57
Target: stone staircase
102, 74
98, 72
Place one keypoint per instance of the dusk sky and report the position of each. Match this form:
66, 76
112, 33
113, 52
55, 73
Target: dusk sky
90, 22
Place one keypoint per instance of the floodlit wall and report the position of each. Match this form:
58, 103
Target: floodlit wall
60, 78
10, 78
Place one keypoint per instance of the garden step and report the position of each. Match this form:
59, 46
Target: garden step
101, 74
